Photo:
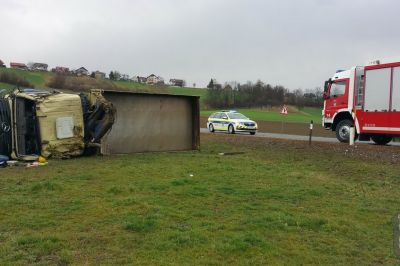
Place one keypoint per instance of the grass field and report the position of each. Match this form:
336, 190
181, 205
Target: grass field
300, 116
272, 204
38, 79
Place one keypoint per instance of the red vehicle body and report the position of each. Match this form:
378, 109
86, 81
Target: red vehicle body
366, 97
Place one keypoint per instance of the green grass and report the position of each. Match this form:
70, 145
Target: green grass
299, 116
188, 91
269, 205
7, 87
38, 79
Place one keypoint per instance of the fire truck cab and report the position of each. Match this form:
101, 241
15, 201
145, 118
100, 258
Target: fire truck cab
367, 98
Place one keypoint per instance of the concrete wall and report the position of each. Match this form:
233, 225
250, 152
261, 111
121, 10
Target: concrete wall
152, 122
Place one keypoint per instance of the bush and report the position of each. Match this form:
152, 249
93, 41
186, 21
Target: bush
13, 79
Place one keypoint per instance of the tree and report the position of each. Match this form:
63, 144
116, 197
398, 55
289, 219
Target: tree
111, 75
211, 84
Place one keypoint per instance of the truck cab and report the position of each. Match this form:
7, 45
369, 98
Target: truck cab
52, 124
337, 112
366, 98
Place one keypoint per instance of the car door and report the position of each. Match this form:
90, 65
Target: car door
224, 121
216, 119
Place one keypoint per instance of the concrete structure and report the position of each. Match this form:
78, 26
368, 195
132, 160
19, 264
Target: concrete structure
37, 66
81, 72
152, 122
61, 70
177, 82
19, 66
153, 80
99, 75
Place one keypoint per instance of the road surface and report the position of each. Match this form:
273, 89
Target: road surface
294, 137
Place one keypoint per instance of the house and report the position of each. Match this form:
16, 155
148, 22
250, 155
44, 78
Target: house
177, 82
141, 79
37, 66
99, 75
153, 80
2, 64
81, 72
19, 66
60, 70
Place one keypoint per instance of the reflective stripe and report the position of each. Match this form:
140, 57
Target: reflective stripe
382, 128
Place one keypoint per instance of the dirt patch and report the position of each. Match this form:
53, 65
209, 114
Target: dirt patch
302, 129
368, 152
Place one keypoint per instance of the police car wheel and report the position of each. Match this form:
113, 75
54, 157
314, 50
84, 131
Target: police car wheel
231, 130
252, 133
211, 128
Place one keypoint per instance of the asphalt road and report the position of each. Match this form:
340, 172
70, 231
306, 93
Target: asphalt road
293, 137
278, 136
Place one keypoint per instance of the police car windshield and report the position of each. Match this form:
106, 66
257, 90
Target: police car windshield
236, 116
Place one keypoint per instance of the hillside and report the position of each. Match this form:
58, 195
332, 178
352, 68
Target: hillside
42, 80
77, 84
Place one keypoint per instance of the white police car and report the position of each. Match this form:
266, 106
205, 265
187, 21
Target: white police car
232, 122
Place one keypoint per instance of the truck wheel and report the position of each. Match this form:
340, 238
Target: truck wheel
231, 130
211, 128
381, 139
343, 130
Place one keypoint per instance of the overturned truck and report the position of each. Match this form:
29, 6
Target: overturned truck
52, 124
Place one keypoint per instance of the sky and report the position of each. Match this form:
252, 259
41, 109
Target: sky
296, 44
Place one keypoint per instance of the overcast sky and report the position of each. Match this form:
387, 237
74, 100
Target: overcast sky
297, 44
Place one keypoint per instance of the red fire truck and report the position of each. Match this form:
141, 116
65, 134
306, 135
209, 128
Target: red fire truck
366, 97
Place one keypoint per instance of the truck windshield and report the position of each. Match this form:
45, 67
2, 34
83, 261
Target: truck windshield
338, 88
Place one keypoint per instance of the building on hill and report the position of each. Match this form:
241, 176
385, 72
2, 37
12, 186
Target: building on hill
99, 75
214, 84
153, 80
177, 82
19, 66
61, 70
81, 72
2, 64
140, 79
37, 66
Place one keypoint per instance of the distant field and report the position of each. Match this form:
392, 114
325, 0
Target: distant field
274, 204
300, 116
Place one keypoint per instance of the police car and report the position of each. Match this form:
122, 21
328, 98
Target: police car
232, 122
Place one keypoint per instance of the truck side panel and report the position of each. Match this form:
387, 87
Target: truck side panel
381, 102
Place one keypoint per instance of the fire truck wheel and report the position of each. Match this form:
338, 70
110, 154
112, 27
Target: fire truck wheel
343, 130
381, 139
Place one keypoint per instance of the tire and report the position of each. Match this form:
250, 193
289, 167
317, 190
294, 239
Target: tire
343, 130
252, 133
211, 128
231, 130
381, 139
